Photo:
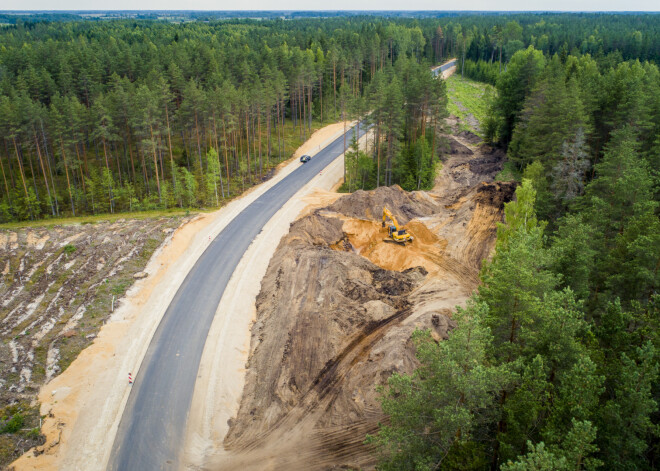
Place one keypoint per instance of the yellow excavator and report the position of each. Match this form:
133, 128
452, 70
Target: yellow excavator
397, 234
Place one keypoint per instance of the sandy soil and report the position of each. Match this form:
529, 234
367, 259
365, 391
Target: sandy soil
338, 304
222, 371
84, 404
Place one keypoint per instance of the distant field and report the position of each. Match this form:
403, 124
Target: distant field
468, 100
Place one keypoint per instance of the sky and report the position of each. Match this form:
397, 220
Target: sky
490, 5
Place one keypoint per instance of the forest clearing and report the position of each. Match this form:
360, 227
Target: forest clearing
60, 285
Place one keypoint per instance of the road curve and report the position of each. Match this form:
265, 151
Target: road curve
152, 428
441, 68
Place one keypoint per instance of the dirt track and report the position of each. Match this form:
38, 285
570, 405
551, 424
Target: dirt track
338, 305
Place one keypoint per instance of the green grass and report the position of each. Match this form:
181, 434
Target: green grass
93, 219
468, 97
508, 173
19, 430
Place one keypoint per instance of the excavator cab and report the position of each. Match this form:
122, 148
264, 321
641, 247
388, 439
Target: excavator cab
396, 233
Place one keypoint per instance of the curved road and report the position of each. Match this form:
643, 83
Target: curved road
441, 68
152, 427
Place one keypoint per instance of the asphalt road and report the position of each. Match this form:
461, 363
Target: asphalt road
152, 428
444, 67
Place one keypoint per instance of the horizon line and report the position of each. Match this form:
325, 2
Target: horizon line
321, 11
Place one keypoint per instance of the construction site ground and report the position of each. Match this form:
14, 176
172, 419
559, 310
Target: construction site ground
338, 304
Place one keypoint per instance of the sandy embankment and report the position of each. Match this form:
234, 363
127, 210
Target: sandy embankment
221, 376
450, 71
84, 404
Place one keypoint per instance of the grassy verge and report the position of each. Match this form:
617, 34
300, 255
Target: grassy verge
469, 100
508, 173
104, 217
19, 431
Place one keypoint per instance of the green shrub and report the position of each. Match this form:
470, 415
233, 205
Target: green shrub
13, 425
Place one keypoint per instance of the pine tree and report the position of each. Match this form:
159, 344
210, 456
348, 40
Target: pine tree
436, 412
514, 85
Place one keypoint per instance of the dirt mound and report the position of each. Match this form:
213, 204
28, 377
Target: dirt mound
369, 204
489, 163
495, 194
456, 148
317, 309
470, 137
315, 229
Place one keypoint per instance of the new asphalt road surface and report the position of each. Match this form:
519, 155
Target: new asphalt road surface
438, 70
152, 427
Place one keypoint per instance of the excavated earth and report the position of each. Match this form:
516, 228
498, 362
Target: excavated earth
338, 305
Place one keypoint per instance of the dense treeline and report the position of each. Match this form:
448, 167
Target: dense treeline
608, 38
481, 70
407, 106
553, 364
485, 44
124, 115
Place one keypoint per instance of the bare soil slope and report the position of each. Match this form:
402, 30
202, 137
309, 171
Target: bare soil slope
337, 307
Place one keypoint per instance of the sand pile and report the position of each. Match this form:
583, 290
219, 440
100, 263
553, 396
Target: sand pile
336, 296
370, 239
323, 310
369, 204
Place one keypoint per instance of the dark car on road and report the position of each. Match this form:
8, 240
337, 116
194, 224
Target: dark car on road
305, 158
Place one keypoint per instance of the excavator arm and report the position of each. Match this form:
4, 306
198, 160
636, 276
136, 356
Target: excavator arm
397, 233
387, 214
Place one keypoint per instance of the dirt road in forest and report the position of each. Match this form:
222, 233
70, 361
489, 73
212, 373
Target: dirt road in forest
83, 405
337, 306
